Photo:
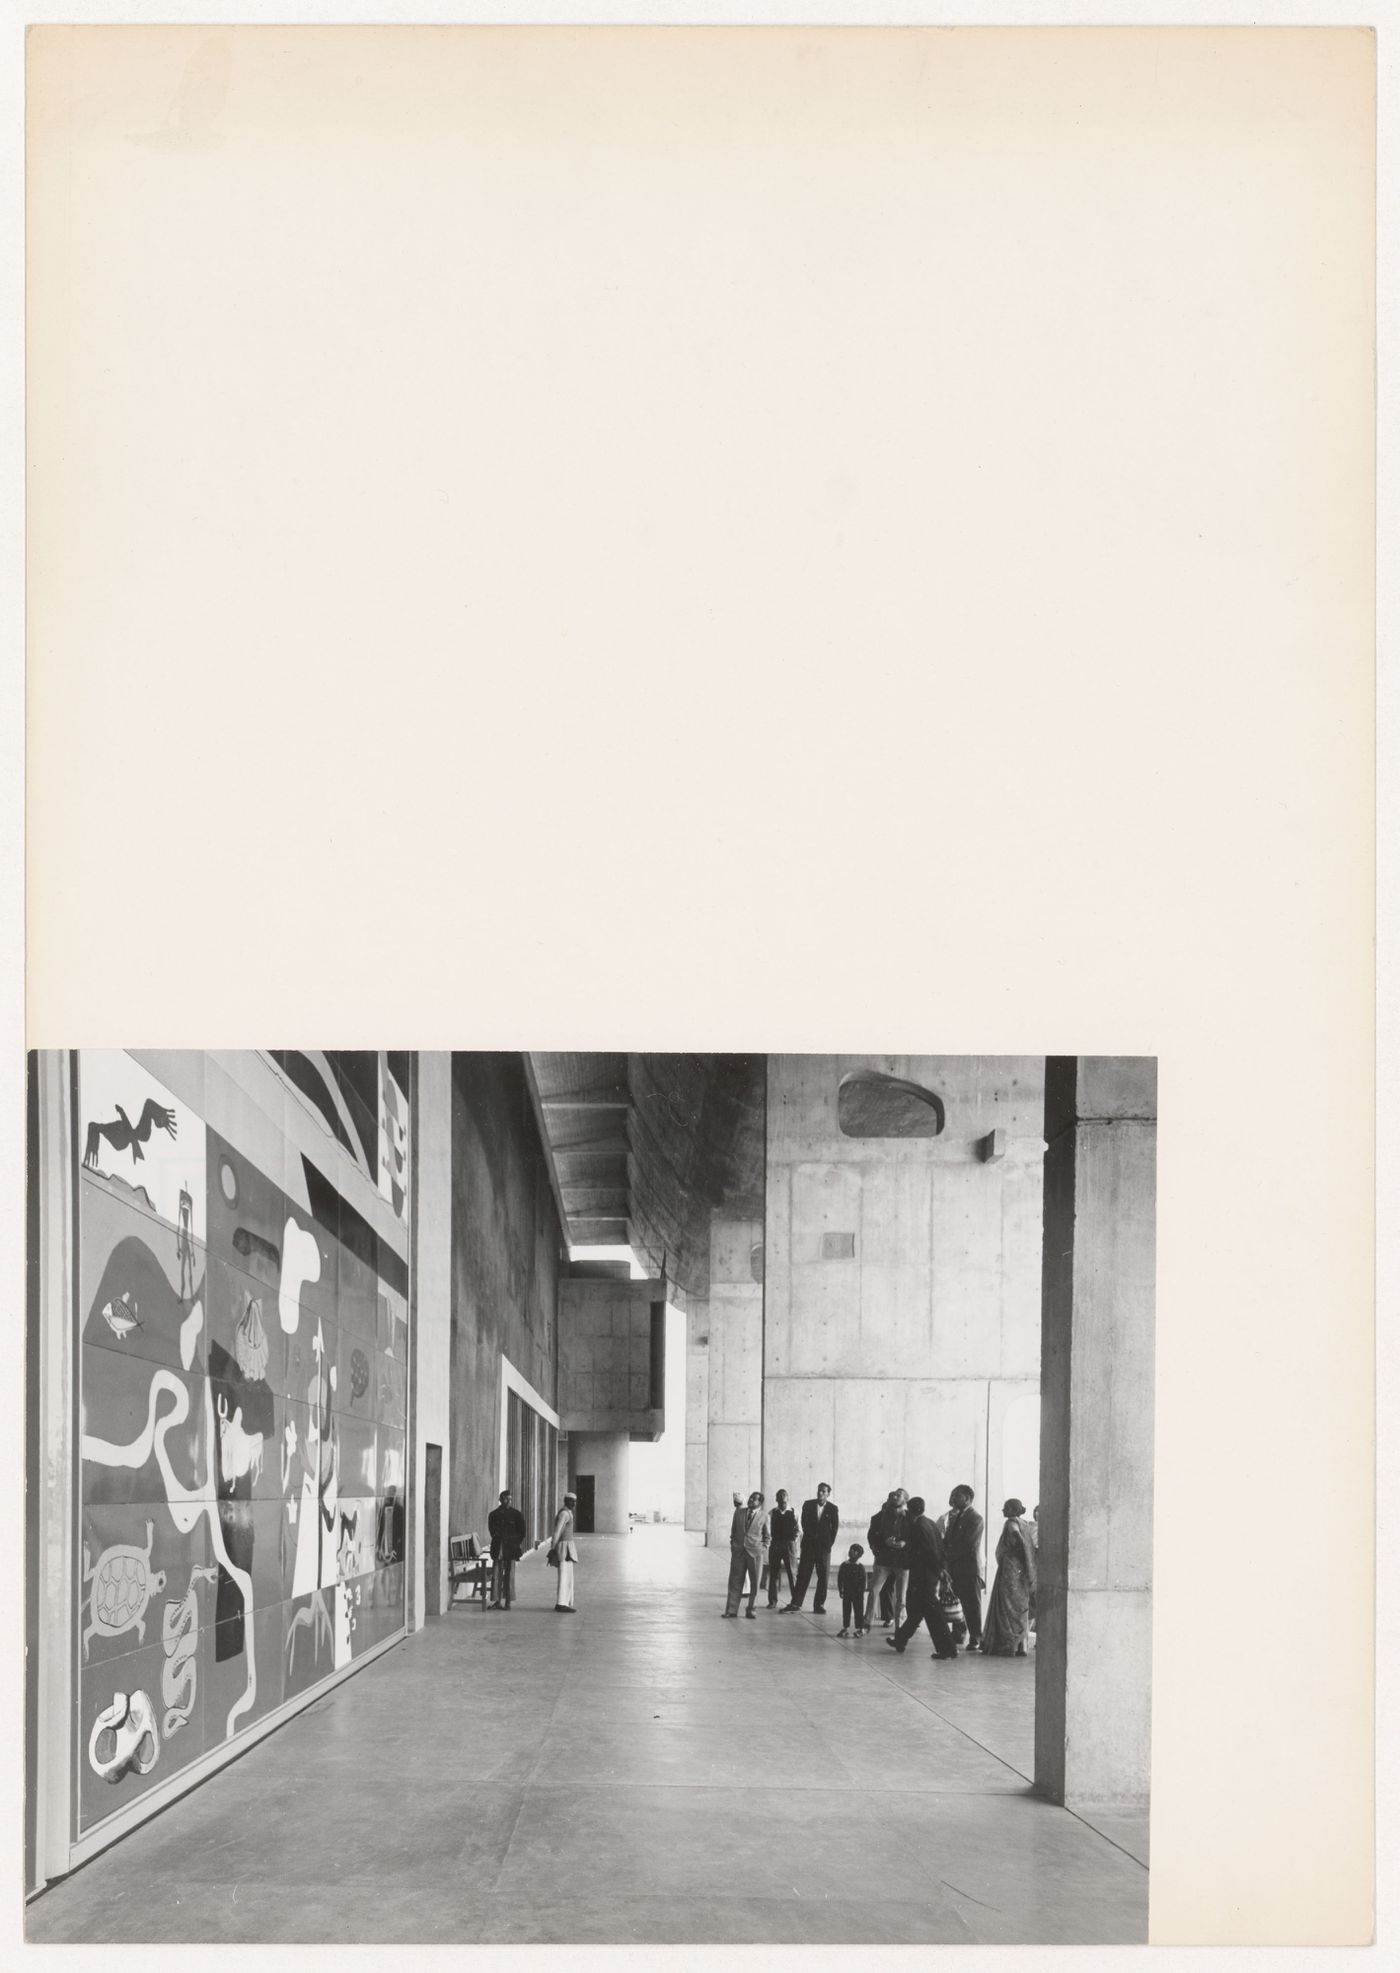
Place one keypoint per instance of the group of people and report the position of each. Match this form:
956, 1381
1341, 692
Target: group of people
913, 1556
506, 1526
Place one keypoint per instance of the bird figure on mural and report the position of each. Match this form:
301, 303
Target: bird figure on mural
123, 1135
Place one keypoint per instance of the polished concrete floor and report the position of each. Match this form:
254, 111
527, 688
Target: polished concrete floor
641, 1771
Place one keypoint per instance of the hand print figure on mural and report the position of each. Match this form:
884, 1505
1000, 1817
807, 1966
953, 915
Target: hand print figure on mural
123, 1135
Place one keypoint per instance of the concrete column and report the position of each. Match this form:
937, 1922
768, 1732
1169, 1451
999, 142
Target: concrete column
431, 1180
1093, 1671
604, 1455
734, 1451
697, 1413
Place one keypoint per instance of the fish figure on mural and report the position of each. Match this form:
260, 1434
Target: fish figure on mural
122, 1316
253, 1246
124, 1135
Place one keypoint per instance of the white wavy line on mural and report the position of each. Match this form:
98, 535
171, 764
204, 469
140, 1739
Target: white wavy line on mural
189, 1333
185, 1507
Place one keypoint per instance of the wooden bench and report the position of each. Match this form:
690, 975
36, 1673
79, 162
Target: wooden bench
468, 1562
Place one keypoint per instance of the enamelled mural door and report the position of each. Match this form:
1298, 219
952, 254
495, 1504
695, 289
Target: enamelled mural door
242, 1283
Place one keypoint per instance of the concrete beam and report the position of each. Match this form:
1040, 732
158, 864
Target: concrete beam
537, 1105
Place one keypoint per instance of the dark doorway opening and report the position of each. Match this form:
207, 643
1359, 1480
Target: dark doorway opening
432, 1531
583, 1511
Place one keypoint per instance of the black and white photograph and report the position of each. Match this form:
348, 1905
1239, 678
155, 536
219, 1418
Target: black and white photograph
360, 1370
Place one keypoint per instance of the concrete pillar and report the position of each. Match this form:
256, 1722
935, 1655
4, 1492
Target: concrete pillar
697, 1413
431, 1195
604, 1455
1093, 1672
735, 1442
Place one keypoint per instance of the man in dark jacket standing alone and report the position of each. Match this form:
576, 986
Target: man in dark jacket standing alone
506, 1526
962, 1544
926, 1565
821, 1519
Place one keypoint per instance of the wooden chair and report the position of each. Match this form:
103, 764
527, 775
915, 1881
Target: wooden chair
468, 1562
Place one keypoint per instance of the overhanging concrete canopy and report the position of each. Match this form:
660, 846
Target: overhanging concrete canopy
644, 1147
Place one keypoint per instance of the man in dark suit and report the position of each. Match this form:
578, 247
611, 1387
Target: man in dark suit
506, 1526
921, 1605
962, 1544
821, 1518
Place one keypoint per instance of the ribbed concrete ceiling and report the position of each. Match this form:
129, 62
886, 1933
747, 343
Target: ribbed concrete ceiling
646, 1147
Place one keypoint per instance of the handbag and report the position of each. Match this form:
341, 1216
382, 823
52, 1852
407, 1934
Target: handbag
553, 1558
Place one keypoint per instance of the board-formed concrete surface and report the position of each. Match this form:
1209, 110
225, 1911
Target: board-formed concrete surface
642, 1771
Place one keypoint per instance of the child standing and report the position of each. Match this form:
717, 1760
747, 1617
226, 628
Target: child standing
850, 1580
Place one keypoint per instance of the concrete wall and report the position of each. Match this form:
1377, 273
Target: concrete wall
1094, 1629
734, 1380
605, 1356
432, 1357
697, 1414
506, 1245
902, 1312
604, 1455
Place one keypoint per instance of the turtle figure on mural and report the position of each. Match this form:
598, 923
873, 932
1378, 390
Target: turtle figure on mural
123, 1583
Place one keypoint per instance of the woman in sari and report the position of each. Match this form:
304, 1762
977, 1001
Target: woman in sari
1007, 1624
